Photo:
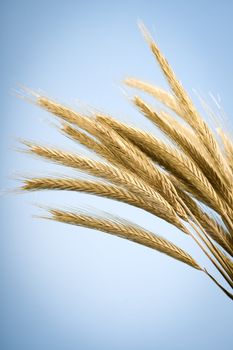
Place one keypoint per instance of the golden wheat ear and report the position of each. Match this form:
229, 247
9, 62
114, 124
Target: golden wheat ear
98, 188
124, 229
166, 98
114, 225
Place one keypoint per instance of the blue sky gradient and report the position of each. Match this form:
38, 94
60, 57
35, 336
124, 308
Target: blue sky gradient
71, 288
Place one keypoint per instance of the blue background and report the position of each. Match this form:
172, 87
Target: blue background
65, 287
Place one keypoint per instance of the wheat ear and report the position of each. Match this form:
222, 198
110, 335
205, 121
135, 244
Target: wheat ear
161, 95
92, 187
127, 230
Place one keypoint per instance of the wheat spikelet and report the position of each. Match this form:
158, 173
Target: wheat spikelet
127, 230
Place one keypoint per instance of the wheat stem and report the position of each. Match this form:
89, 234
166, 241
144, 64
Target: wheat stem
202, 234
230, 295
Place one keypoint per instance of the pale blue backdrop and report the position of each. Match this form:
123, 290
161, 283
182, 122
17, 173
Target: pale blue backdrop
69, 288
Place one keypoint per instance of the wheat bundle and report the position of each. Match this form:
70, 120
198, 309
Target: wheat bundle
187, 181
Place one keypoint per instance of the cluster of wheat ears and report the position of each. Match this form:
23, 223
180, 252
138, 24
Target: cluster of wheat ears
187, 181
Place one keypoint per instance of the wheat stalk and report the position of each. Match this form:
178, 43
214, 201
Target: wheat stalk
170, 181
215, 230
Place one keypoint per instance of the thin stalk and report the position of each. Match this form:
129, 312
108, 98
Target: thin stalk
219, 268
210, 257
209, 244
217, 255
230, 295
